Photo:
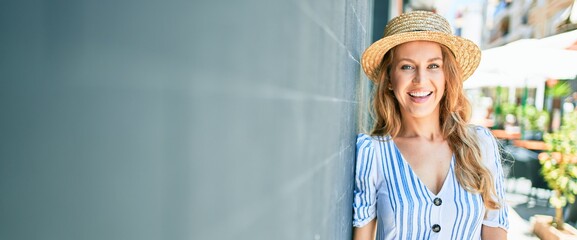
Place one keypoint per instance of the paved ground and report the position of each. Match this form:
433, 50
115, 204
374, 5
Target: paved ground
523, 207
519, 228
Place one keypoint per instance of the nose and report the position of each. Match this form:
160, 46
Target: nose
420, 76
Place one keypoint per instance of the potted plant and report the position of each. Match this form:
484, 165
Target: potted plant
533, 121
559, 169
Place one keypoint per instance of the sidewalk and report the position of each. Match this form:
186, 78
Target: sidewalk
519, 228
521, 210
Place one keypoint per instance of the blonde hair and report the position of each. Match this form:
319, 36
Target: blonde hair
455, 112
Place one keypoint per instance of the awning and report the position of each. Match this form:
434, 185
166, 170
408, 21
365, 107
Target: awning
527, 61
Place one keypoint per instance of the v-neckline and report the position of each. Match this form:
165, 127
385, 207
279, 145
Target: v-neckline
414, 174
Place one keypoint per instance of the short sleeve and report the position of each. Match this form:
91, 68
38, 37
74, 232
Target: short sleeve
492, 159
365, 191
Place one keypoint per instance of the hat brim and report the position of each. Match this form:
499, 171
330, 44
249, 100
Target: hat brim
467, 53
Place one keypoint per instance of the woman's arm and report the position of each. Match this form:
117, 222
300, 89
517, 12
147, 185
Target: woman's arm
492, 233
496, 221
366, 232
365, 190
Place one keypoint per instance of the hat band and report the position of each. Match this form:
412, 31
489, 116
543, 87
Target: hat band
427, 22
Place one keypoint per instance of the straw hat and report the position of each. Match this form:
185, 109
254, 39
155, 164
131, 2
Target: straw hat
423, 26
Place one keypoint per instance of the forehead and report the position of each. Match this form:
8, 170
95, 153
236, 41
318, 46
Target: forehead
418, 49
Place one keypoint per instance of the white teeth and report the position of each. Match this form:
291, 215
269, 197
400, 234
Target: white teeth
419, 94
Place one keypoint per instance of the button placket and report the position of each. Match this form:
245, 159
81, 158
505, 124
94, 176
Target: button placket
437, 202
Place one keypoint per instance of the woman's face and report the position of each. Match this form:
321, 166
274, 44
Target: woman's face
417, 78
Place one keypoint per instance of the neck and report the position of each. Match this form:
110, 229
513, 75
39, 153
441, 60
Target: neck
428, 128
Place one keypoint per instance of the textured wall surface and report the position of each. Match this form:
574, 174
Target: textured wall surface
179, 119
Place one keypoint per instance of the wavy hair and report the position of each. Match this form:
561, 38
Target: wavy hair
455, 111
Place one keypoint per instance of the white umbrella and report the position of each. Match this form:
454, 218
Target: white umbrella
561, 40
527, 61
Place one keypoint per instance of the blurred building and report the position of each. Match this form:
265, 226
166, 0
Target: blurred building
551, 17
508, 20
469, 22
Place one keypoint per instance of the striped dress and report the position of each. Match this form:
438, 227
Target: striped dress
388, 189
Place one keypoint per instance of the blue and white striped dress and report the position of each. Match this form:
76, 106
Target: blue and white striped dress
387, 188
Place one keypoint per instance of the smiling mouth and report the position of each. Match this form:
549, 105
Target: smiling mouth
420, 94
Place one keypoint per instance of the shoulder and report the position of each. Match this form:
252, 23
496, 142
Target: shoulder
365, 144
484, 135
362, 138
480, 130
488, 145
367, 141
370, 145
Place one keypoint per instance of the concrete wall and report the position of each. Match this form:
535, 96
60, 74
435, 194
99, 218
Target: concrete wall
179, 119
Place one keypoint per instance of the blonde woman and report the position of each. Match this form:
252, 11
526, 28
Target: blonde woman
423, 172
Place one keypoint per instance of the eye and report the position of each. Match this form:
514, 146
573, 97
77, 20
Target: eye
434, 66
407, 67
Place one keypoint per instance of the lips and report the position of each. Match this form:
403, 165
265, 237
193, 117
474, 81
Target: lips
420, 94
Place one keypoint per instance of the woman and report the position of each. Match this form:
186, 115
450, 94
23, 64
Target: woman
423, 173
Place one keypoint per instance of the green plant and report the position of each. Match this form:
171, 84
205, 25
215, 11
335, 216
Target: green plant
559, 90
509, 108
532, 119
501, 110
559, 165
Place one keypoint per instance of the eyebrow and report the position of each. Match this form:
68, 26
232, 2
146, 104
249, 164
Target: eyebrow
430, 60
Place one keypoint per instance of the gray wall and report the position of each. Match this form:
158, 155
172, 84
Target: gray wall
179, 119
